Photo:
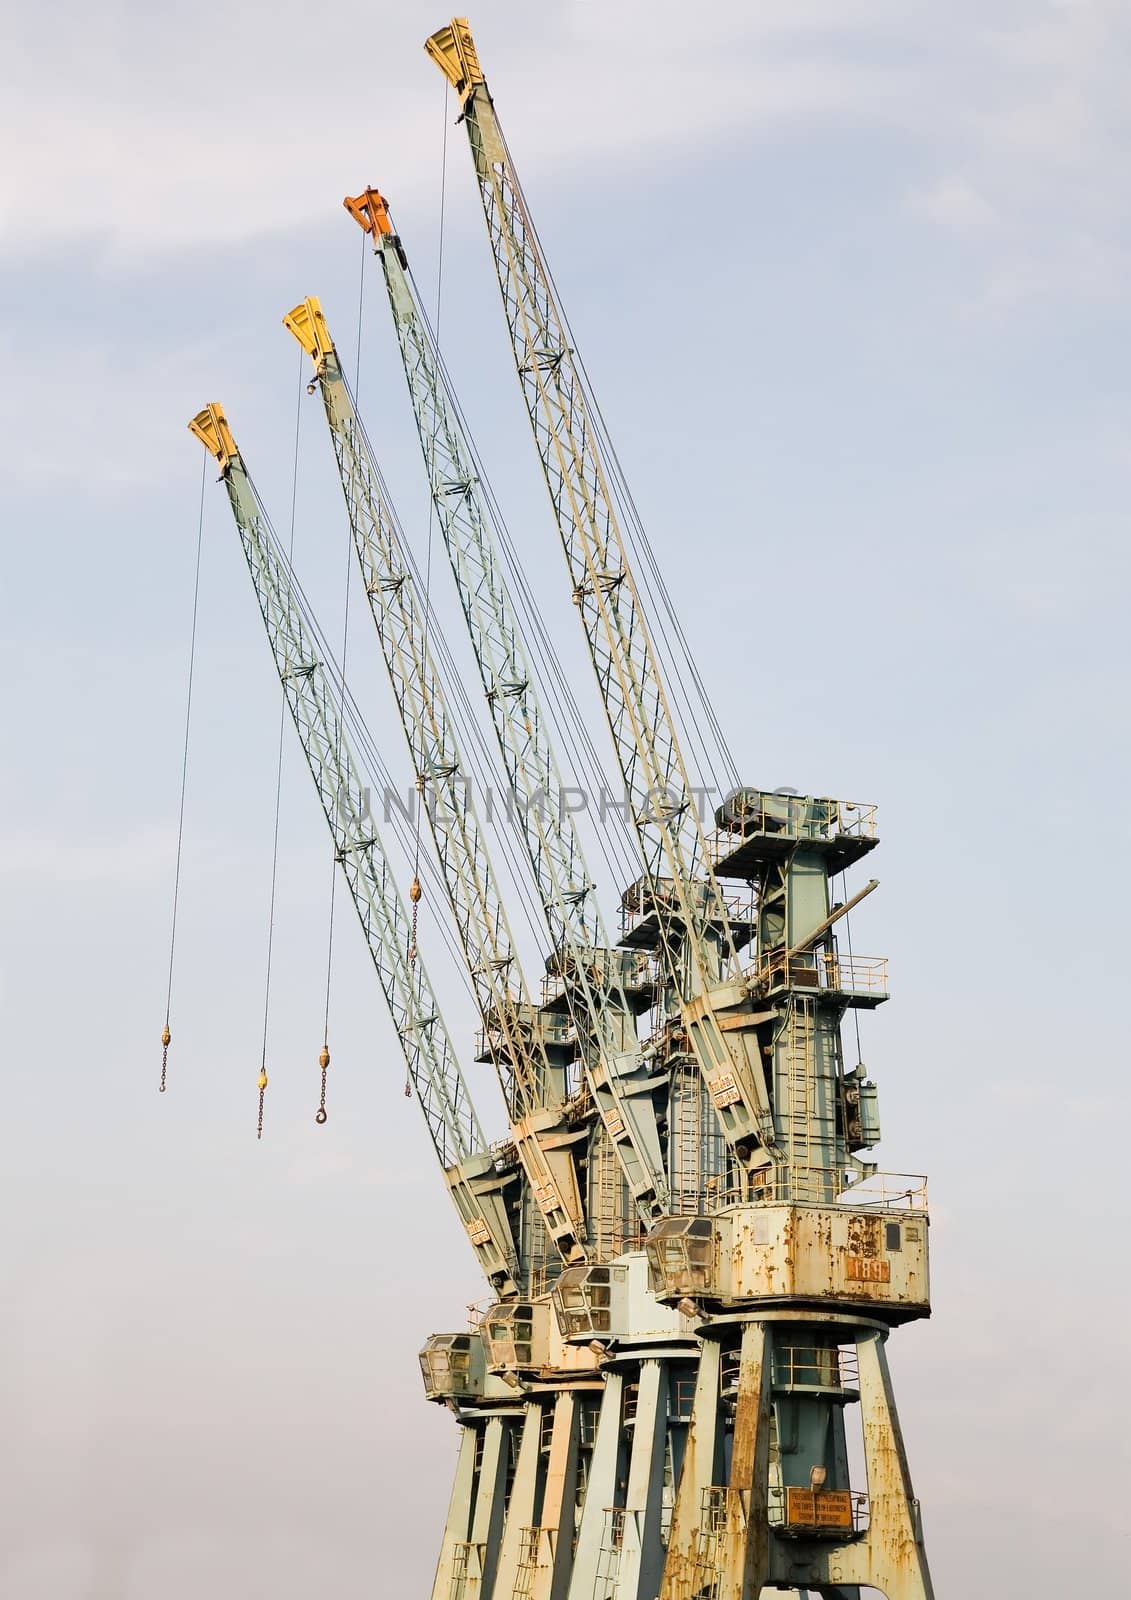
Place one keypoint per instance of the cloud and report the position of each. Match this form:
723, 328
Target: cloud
954, 203
1045, 139
154, 136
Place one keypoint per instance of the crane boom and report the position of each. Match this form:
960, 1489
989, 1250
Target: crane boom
470, 1170
679, 882
593, 974
513, 1028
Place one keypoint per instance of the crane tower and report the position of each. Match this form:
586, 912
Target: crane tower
679, 1387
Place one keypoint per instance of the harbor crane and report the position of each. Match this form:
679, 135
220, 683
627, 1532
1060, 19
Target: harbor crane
679, 1389
766, 1035
679, 890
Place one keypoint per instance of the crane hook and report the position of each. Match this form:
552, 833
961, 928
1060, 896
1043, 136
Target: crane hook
261, 1082
323, 1063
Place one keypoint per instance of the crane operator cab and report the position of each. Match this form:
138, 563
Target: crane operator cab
681, 1255
583, 1301
453, 1366
516, 1336
612, 1304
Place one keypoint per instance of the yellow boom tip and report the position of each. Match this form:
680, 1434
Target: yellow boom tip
308, 325
211, 427
453, 50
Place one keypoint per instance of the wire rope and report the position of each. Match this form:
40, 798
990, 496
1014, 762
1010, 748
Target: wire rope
262, 1079
166, 1032
653, 582
357, 728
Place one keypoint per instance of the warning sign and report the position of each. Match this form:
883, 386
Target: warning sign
820, 1508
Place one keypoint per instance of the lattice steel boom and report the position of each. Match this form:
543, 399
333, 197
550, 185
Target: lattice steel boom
592, 972
693, 918
513, 1028
470, 1170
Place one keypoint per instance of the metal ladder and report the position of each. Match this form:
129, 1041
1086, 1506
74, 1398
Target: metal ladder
687, 1152
607, 1197
799, 1099
608, 1557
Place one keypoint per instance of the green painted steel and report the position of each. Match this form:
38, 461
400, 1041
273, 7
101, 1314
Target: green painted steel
534, 1078
692, 919
618, 1076
430, 1057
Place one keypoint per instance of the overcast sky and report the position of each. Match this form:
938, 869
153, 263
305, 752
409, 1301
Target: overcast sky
851, 280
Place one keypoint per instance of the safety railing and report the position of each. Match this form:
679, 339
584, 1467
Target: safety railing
588, 1419
828, 1513
613, 1236
613, 1538
683, 1396
555, 1029
822, 969
799, 1185
536, 1547
641, 973
543, 1278
466, 1564
885, 1191
756, 811
715, 1505
639, 903
634, 970
855, 820
819, 1367
554, 991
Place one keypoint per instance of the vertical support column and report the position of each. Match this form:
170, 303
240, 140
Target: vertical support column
745, 1553
490, 1505
456, 1527
642, 1559
702, 1467
559, 1499
891, 1558
523, 1500
601, 1489
841, 1474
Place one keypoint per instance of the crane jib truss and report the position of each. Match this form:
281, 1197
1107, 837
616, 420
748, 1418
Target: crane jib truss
620, 1081
696, 938
513, 1029
471, 1172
